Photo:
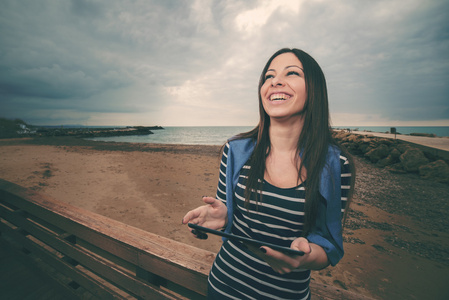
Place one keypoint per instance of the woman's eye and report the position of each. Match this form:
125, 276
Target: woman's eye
292, 73
268, 76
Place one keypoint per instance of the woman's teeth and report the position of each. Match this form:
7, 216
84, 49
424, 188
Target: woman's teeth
279, 97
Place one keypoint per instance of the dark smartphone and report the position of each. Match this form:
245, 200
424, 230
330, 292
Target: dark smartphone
258, 243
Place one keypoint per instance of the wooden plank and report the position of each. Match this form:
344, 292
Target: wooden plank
61, 266
78, 219
127, 242
188, 279
182, 277
94, 284
22, 279
97, 264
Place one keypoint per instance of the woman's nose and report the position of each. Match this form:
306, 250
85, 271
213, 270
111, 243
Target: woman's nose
277, 81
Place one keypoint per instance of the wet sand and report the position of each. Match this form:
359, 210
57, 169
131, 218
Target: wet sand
397, 237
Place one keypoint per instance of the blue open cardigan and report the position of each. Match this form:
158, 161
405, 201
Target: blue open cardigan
328, 230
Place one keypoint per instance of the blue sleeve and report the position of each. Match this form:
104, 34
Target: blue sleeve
321, 235
328, 230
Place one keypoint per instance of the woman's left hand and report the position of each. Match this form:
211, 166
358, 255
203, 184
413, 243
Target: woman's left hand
283, 263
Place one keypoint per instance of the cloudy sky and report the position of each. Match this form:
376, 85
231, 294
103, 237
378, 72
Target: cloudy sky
197, 63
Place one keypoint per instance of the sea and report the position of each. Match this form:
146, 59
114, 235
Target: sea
218, 135
202, 135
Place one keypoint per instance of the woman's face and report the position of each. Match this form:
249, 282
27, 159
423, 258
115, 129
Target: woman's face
284, 92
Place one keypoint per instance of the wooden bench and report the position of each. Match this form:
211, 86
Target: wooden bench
107, 258
92, 256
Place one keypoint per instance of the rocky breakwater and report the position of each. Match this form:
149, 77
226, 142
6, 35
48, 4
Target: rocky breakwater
86, 132
135, 130
395, 155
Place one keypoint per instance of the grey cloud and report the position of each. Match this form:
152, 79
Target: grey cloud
119, 56
56, 82
86, 8
48, 61
388, 59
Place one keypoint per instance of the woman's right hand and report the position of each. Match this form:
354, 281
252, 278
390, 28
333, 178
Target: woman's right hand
213, 215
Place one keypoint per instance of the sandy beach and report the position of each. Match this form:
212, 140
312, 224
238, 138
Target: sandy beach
397, 235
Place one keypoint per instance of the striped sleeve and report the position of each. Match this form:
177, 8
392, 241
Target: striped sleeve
221, 186
345, 181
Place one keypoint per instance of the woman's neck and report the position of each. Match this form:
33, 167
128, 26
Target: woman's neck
284, 136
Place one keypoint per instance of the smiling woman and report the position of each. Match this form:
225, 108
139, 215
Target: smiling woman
284, 90
286, 182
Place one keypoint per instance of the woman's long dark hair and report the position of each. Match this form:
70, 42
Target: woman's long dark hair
313, 141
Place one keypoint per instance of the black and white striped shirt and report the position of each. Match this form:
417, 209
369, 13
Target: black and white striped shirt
238, 273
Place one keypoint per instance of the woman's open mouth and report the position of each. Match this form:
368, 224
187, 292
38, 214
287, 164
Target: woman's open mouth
279, 97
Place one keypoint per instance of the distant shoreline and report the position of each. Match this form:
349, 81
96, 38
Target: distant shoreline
209, 135
215, 135
438, 131
79, 132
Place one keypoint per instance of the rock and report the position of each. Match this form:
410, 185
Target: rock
366, 144
437, 170
412, 159
402, 147
391, 159
364, 148
396, 168
341, 135
352, 147
430, 156
385, 141
367, 139
377, 153
423, 134
395, 154
354, 138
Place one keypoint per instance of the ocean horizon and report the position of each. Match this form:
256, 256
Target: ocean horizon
218, 135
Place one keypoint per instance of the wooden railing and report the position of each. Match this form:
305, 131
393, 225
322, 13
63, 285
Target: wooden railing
93, 256
106, 258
